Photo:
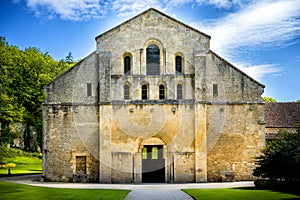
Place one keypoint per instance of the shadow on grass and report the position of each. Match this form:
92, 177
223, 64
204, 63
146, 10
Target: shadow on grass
23, 174
245, 193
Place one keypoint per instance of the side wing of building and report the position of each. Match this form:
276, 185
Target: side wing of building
71, 125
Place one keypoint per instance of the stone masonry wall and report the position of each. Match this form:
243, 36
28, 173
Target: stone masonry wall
71, 86
135, 35
69, 131
126, 128
233, 85
234, 141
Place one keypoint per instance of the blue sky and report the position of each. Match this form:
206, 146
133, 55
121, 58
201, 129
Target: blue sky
261, 37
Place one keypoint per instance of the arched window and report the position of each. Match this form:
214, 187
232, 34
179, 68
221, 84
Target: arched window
178, 63
144, 153
153, 60
144, 92
127, 63
154, 153
126, 92
162, 94
179, 91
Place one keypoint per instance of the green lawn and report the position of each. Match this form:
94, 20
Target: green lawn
25, 165
20, 191
238, 193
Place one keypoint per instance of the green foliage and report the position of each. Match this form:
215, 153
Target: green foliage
269, 99
280, 158
237, 193
13, 152
21, 191
23, 74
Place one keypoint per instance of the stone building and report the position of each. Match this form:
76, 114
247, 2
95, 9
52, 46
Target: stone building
152, 103
281, 116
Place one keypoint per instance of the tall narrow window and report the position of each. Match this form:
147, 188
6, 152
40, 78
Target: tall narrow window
127, 63
89, 89
179, 91
215, 90
144, 92
154, 153
126, 92
162, 92
178, 62
144, 153
153, 60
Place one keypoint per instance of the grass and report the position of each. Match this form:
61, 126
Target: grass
25, 165
238, 193
20, 191
30, 163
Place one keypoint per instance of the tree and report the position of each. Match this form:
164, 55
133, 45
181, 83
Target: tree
11, 112
269, 99
281, 158
23, 75
69, 58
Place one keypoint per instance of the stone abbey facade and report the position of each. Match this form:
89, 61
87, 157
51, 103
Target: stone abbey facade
152, 103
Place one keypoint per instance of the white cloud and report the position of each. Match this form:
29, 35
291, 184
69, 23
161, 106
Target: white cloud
260, 24
263, 23
125, 8
73, 10
221, 3
260, 71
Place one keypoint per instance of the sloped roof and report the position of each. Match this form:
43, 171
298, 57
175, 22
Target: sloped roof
154, 10
236, 68
282, 115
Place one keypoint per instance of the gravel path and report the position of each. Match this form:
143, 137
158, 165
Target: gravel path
138, 191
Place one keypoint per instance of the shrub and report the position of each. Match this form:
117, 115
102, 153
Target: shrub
281, 158
8, 166
279, 165
284, 186
38, 155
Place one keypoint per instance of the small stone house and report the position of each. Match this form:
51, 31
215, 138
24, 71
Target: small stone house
152, 103
281, 116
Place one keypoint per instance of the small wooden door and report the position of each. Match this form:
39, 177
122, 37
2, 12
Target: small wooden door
81, 165
153, 164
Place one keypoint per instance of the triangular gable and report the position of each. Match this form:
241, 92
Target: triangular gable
156, 11
66, 72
